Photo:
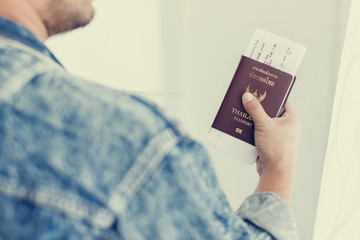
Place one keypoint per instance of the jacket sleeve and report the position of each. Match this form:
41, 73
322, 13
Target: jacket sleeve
269, 212
184, 200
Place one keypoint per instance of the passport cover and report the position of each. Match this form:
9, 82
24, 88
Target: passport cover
269, 85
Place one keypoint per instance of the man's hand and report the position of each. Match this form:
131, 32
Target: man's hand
276, 141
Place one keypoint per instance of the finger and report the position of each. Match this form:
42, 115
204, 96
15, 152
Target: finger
289, 110
290, 114
289, 107
254, 108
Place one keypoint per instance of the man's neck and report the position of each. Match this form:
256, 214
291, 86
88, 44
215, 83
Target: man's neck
22, 12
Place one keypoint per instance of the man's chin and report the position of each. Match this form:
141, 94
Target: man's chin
70, 24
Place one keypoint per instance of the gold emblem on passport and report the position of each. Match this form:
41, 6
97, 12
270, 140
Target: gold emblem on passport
238, 130
259, 98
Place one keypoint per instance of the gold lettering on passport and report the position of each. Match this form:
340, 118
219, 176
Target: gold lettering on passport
265, 80
244, 118
242, 121
259, 98
242, 114
261, 70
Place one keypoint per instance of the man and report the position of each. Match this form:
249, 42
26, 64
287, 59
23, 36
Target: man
79, 161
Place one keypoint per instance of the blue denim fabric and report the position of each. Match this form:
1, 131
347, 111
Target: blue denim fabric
80, 161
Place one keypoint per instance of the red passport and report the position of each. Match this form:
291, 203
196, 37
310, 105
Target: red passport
268, 72
269, 85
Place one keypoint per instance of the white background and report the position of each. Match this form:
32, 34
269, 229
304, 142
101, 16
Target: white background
338, 215
183, 55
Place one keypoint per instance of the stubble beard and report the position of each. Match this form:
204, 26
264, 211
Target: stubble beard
60, 17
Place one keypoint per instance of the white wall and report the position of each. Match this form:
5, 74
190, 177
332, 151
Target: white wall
121, 48
183, 54
338, 215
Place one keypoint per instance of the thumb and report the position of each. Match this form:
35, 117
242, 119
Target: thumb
254, 108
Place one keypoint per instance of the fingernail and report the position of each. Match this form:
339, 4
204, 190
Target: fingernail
247, 97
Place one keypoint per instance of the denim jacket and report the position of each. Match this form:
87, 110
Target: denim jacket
80, 161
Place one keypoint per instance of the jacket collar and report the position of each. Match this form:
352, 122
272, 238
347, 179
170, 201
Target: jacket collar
21, 34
